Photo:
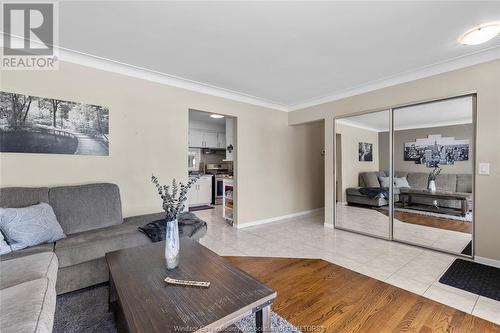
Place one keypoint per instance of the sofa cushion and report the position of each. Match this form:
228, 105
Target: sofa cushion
29, 226
401, 182
446, 182
86, 207
140, 220
464, 183
369, 179
94, 244
47, 247
28, 268
15, 197
418, 180
28, 307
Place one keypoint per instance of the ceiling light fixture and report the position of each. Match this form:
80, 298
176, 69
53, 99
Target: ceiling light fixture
216, 116
480, 34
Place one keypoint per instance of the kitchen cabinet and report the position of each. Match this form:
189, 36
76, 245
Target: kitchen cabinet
195, 138
221, 140
206, 139
201, 192
211, 140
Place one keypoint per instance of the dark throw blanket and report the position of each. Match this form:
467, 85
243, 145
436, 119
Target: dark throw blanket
374, 192
189, 225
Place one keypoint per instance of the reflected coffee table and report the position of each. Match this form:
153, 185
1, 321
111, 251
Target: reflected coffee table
406, 200
143, 302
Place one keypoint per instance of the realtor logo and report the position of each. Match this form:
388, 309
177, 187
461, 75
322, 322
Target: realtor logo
29, 33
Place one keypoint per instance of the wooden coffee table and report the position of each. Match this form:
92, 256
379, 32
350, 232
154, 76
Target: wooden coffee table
406, 199
143, 302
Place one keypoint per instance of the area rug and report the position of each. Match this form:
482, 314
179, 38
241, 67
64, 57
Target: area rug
86, 311
473, 277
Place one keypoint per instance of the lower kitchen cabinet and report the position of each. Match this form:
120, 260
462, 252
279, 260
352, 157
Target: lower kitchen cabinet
201, 192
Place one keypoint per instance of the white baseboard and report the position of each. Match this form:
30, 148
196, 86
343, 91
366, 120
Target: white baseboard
487, 261
328, 225
278, 218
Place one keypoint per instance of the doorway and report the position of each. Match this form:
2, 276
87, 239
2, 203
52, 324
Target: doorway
212, 157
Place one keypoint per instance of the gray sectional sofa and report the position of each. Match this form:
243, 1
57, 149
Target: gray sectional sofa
91, 217
451, 183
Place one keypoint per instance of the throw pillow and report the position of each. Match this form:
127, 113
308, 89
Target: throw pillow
385, 181
30, 226
401, 182
4, 247
370, 179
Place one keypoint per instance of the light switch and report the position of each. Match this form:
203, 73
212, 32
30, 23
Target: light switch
484, 168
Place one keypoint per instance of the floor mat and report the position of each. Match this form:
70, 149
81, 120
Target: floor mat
473, 277
194, 209
468, 249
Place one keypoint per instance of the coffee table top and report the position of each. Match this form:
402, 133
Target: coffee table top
151, 305
426, 193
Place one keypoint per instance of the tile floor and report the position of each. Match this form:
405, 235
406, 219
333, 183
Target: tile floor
404, 266
373, 222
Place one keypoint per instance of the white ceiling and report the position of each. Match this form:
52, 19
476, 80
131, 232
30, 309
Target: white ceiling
442, 113
287, 53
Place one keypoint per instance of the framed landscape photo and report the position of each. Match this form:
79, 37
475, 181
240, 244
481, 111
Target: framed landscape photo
31, 124
365, 152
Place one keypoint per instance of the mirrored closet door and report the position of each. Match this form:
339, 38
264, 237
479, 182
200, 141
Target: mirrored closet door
433, 148
362, 153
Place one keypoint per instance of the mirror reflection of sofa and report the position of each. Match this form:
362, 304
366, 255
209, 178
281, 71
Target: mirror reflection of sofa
447, 183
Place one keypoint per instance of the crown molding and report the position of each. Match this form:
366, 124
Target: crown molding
109, 65
84, 59
467, 60
163, 78
346, 122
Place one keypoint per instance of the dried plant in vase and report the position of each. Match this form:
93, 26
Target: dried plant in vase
174, 199
432, 179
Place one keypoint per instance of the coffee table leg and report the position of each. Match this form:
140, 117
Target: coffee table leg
263, 320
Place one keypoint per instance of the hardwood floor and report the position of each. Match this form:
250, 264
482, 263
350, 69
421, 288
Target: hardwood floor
318, 296
431, 221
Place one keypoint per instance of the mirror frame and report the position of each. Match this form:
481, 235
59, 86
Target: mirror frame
391, 109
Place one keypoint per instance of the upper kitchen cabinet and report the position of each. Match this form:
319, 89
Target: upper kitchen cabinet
196, 139
210, 140
206, 131
205, 139
221, 137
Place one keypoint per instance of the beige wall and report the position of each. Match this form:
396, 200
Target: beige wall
483, 79
351, 166
149, 134
465, 131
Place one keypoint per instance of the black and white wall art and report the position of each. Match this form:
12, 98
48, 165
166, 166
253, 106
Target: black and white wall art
365, 152
436, 150
31, 124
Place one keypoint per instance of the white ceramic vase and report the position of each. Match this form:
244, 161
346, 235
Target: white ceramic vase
432, 185
172, 244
